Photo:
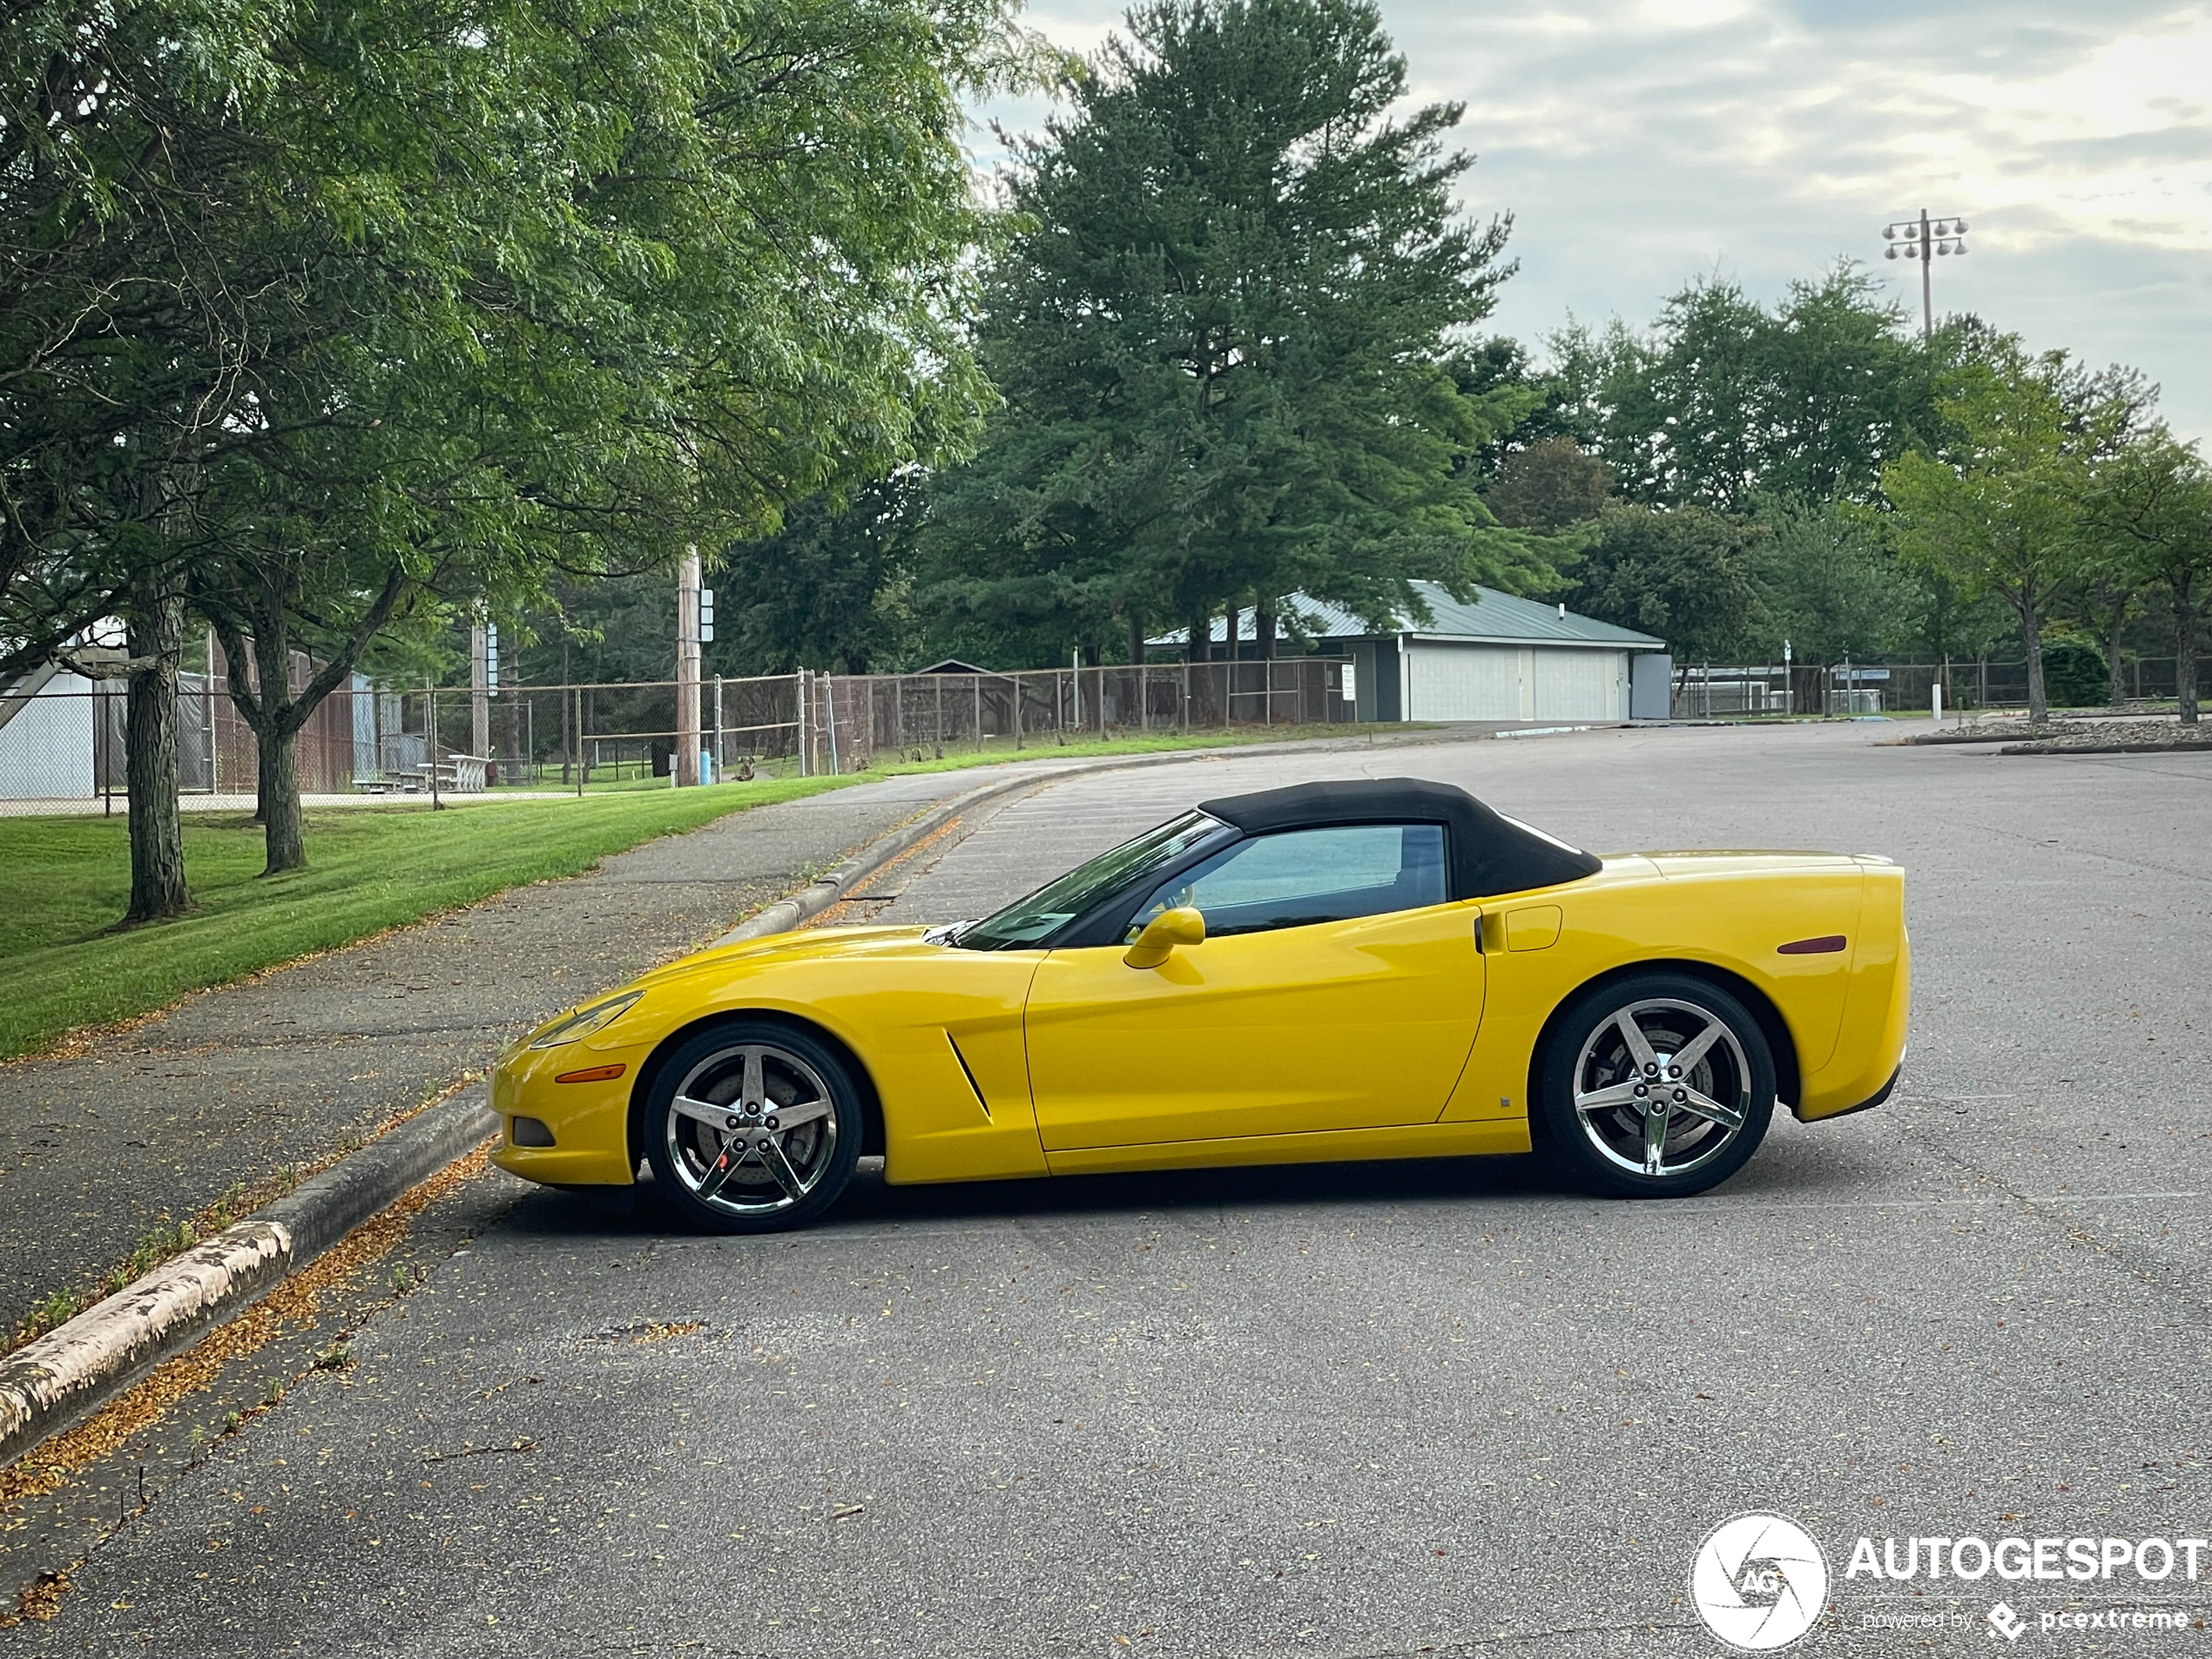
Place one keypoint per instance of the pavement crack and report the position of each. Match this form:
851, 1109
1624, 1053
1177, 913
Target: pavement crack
522, 1444
2127, 1260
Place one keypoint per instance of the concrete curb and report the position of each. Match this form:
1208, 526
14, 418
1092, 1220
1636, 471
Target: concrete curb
51, 1385
2106, 749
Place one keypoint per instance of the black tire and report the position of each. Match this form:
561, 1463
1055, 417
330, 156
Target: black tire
697, 1113
1711, 1115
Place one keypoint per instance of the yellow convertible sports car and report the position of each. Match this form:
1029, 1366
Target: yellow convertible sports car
1346, 970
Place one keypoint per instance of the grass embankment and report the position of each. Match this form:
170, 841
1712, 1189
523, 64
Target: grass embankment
62, 964
64, 880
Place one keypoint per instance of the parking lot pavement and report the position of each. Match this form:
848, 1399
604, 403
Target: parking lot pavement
1447, 1408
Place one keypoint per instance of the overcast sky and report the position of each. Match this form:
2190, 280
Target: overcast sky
1639, 143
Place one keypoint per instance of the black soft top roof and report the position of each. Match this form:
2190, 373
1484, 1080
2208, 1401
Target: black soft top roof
1490, 852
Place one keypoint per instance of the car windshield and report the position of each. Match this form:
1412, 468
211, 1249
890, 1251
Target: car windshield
1026, 921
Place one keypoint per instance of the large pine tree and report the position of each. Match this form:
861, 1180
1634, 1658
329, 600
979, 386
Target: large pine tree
1219, 324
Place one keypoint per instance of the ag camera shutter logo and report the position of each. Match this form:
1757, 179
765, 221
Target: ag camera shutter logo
1760, 1582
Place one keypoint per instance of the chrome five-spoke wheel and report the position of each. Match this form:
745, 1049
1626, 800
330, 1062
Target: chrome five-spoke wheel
1661, 1085
753, 1127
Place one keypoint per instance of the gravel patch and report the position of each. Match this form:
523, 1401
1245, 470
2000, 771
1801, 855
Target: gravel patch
2113, 737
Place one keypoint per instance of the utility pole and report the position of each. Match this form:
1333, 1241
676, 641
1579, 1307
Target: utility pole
686, 766
1918, 236
479, 673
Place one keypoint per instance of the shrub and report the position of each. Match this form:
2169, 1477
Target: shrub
2075, 673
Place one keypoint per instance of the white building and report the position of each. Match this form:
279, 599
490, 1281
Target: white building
47, 742
1494, 659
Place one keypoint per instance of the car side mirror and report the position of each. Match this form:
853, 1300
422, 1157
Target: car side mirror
1183, 926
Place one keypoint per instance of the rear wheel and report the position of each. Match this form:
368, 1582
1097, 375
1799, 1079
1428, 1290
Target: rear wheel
1659, 1086
752, 1127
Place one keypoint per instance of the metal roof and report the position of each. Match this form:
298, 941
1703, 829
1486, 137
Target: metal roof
1491, 617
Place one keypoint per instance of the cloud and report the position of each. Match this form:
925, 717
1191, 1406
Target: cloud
1640, 143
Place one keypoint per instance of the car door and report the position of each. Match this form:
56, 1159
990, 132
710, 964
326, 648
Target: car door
1337, 988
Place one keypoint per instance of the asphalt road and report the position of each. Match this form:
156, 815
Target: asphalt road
1447, 1408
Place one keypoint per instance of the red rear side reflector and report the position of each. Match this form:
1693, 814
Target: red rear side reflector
608, 1073
1819, 946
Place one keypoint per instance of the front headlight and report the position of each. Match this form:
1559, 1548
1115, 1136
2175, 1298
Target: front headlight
582, 1023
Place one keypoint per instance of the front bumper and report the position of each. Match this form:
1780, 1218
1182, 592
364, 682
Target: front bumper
588, 1121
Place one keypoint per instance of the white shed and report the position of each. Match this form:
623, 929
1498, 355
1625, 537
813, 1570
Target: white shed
46, 738
1496, 657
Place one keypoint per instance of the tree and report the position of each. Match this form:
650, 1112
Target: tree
2153, 499
1552, 485
119, 157
2108, 411
607, 283
1830, 586
1726, 402
1221, 327
1998, 509
2105, 601
829, 587
98, 382
1685, 575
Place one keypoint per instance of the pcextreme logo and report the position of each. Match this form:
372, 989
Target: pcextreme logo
1758, 1582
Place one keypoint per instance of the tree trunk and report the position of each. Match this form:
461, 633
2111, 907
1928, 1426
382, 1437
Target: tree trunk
1136, 638
277, 746
2121, 605
1199, 639
156, 618
2038, 707
1264, 626
2185, 648
239, 668
271, 705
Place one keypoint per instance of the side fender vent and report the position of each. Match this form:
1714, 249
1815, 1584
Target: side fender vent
969, 1072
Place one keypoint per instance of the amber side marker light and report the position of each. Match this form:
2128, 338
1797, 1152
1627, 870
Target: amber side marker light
608, 1073
1819, 946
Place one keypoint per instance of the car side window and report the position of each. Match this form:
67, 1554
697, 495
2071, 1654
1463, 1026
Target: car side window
1300, 877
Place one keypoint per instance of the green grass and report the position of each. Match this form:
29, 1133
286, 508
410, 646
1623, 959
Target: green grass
63, 964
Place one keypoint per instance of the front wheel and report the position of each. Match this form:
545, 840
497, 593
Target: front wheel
752, 1127
1657, 1086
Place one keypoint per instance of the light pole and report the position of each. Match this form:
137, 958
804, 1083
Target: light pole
1917, 237
684, 773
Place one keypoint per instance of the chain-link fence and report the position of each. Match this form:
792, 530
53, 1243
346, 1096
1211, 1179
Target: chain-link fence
1714, 690
61, 745
925, 715
62, 737
578, 737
